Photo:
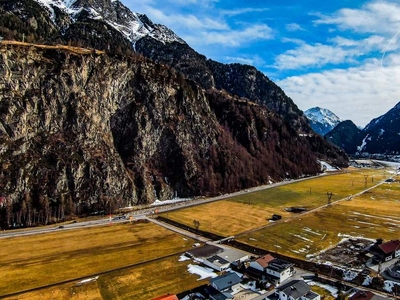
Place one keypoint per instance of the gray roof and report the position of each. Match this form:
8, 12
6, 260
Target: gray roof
311, 295
279, 265
225, 281
295, 289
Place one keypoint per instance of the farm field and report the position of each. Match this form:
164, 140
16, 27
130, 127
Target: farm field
39, 260
142, 282
374, 214
250, 211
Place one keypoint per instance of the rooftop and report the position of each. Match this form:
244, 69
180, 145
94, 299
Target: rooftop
205, 251
263, 261
295, 289
279, 265
225, 281
390, 246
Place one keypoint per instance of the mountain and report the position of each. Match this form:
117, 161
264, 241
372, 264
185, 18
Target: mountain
322, 120
345, 135
85, 130
109, 25
380, 136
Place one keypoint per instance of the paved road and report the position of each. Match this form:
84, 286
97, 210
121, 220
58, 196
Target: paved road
141, 214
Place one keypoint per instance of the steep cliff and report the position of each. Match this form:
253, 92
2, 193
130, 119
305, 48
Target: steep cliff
81, 131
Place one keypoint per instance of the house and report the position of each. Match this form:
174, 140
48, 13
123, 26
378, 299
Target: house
366, 295
385, 251
226, 283
166, 297
262, 262
279, 270
223, 260
296, 290
214, 294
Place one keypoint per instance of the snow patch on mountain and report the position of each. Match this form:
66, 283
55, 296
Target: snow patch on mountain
322, 115
322, 120
132, 25
363, 144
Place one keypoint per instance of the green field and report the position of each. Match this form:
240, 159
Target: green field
252, 210
39, 260
374, 214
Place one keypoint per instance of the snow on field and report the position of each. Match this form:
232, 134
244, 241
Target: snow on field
367, 223
391, 218
172, 201
347, 236
326, 166
88, 280
302, 237
183, 257
309, 230
349, 275
331, 289
367, 281
203, 272
251, 285
389, 285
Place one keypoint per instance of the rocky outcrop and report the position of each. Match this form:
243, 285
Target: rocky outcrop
82, 131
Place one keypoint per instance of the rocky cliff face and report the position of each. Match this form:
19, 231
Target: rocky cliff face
82, 131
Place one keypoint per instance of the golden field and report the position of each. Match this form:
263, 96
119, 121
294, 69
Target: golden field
39, 260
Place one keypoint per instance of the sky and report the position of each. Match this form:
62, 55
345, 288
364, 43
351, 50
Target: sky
342, 55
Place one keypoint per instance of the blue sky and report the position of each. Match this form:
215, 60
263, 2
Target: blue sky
343, 55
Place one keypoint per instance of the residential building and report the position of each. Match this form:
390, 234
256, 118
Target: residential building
385, 251
279, 270
226, 283
213, 294
261, 263
296, 290
222, 261
366, 295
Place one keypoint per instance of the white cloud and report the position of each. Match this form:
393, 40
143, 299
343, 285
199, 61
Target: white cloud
294, 27
188, 21
316, 55
232, 38
235, 12
359, 94
373, 17
255, 60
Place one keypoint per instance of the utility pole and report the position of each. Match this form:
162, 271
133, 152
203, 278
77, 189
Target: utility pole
329, 194
365, 180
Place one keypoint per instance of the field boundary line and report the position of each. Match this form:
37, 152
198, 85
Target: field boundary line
89, 276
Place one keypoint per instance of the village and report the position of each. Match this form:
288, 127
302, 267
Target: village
236, 274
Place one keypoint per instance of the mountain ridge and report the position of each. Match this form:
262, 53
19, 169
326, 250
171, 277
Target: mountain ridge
88, 130
322, 120
380, 136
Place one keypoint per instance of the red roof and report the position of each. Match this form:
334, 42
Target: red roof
263, 261
166, 297
390, 246
362, 295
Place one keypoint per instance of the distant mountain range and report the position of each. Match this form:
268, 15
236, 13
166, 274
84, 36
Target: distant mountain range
142, 117
380, 136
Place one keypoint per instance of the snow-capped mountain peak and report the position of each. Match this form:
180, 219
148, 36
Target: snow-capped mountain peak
322, 120
132, 25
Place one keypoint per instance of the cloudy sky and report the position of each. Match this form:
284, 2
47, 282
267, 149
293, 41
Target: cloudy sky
343, 55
